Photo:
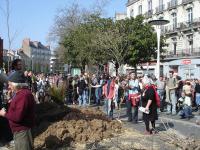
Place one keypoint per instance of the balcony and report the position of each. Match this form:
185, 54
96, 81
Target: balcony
195, 23
130, 2
184, 2
148, 14
160, 9
172, 4
170, 29
194, 52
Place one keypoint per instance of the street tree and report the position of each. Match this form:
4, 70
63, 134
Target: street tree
141, 41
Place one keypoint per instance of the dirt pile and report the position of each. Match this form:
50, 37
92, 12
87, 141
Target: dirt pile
78, 126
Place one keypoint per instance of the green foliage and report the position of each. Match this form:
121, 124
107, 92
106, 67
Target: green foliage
57, 94
99, 40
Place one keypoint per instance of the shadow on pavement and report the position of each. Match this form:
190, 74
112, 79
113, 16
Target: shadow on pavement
164, 126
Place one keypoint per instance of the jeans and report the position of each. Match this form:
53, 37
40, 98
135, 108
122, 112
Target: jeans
108, 109
97, 100
171, 107
132, 116
198, 99
87, 96
186, 112
161, 95
82, 99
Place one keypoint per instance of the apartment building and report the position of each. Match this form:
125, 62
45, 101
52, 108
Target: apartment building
120, 16
182, 33
35, 55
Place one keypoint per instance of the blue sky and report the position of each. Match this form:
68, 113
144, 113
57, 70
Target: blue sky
34, 18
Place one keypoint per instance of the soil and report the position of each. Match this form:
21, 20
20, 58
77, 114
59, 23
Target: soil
59, 126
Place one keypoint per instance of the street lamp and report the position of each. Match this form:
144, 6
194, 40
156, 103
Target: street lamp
158, 23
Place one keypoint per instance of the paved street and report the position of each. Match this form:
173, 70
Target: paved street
186, 128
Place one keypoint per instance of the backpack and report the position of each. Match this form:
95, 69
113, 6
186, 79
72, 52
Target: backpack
157, 97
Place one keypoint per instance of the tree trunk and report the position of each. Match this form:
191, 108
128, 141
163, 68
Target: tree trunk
135, 66
117, 67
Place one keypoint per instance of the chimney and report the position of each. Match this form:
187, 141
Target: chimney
26, 41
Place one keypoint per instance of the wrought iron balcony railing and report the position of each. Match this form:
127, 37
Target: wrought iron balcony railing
130, 2
190, 24
195, 23
171, 28
184, 2
190, 52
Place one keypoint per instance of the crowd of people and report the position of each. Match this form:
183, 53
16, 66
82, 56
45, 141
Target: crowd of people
176, 96
146, 93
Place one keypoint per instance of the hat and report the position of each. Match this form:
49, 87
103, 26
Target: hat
17, 77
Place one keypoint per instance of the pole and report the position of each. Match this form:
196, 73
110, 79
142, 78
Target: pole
1, 53
157, 71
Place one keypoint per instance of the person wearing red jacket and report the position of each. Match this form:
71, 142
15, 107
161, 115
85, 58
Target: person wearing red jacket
109, 93
21, 112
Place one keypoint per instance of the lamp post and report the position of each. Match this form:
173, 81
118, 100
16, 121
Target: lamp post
158, 23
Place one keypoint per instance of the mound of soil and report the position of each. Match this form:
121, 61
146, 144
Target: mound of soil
77, 126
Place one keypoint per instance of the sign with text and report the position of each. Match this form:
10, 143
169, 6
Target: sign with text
186, 61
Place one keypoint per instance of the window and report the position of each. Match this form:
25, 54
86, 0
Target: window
160, 2
174, 47
190, 16
140, 10
161, 6
132, 13
174, 21
189, 50
149, 5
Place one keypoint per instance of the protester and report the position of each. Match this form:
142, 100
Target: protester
197, 91
108, 94
171, 99
81, 90
149, 103
160, 85
16, 65
133, 101
21, 112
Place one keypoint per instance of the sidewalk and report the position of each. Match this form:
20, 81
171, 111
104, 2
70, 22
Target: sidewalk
187, 128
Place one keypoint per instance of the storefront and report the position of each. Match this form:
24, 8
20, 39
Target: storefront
186, 68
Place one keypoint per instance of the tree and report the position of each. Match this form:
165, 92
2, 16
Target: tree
11, 37
100, 40
142, 41
66, 23
113, 43
7, 13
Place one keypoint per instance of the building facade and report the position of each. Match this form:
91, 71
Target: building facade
120, 16
182, 33
8, 57
35, 55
